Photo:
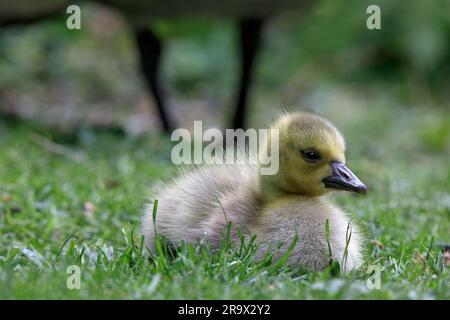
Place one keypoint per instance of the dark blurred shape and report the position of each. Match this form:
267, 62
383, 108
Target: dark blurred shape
70, 70
28, 11
251, 14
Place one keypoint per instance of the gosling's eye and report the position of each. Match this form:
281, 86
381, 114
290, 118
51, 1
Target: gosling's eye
310, 155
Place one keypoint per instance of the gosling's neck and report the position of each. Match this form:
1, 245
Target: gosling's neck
271, 189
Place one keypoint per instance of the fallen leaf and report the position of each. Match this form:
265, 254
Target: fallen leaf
377, 243
5, 198
111, 184
420, 258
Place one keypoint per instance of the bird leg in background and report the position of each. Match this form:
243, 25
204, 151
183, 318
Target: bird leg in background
250, 38
150, 47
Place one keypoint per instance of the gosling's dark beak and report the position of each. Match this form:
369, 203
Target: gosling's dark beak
342, 178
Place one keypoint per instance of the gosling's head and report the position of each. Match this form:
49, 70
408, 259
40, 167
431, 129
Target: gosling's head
312, 157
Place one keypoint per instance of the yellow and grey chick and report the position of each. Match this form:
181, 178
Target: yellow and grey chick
275, 208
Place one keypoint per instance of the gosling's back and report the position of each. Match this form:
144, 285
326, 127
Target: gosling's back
199, 204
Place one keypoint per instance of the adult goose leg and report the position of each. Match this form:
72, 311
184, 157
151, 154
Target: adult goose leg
150, 47
250, 38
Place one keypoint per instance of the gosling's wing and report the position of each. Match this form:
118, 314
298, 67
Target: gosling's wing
192, 204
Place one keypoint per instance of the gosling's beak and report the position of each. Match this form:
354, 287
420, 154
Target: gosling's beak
342, 178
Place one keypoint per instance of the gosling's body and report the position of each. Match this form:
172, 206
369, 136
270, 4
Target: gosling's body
192, 207
306, 217
198, 205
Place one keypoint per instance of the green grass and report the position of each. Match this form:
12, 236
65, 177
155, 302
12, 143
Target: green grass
45, 227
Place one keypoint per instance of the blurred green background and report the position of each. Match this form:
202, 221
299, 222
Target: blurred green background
78, 77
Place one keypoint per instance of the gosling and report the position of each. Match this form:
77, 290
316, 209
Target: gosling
198, 205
